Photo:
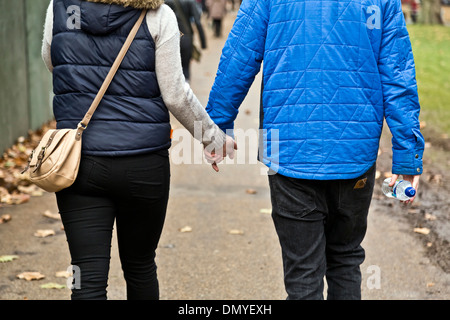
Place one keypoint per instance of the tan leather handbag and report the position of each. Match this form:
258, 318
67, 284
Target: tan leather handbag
54, 163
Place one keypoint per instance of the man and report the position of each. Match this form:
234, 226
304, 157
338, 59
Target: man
333, 71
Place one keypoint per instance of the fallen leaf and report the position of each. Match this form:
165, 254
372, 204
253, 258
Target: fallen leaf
18, 198
429, 244
44, 233
422, 230
32, 190
185, 229
430, 284
251, 191
51, 215
265, 211
5, 218
7, 258
52, 285
377, 174
5, 197
414, 210
28, 276
429, 216
63, 274
236, 231
10, 163
435, 178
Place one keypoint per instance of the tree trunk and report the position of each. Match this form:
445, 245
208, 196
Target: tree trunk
431, 12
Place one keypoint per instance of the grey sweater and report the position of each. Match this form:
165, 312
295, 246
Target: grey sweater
176, 93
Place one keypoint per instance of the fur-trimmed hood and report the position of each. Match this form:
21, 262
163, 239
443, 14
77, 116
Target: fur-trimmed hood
104, 16
137, 4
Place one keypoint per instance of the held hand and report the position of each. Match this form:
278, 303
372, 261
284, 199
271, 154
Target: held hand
214, 157
414, 182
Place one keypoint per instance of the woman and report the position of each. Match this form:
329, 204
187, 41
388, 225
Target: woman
124, 172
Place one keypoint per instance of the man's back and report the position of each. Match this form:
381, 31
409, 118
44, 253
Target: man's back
332, 71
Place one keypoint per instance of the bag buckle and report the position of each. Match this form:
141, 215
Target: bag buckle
29, 162
80, 128
40, 158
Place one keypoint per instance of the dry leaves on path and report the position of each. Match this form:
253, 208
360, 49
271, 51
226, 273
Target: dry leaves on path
265, 211
51, 215
44, 233
5, 218
13, 198
30, 275
424, 231
32, 190
15, 188
52, 285
185, 229
63, 274
8, 258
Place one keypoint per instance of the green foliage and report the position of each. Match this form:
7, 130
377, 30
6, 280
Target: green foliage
431, 48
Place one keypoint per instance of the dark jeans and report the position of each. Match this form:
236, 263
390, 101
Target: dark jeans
132, 191
320, 225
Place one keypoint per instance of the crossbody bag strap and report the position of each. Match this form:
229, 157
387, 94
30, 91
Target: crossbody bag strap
112, 72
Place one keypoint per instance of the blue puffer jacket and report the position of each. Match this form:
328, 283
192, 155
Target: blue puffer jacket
132, 117
333, 70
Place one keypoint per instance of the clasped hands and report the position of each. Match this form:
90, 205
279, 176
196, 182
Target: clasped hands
216, 156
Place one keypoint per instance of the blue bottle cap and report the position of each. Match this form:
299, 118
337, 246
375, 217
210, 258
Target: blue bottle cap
410, 192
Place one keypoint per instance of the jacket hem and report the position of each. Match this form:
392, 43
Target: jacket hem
274, 169
123, 153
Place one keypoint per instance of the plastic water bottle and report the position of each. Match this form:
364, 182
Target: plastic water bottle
402, 189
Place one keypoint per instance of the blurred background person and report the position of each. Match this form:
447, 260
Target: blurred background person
235, 3
187, 11
217, 10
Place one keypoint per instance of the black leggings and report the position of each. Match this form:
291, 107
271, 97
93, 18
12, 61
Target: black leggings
133, 191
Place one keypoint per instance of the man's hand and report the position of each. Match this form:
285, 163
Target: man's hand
214, 157
414, 181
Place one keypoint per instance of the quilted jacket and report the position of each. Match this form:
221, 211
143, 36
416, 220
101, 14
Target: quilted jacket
333, 71
132, 117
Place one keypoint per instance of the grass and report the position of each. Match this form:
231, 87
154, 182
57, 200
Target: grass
431, 48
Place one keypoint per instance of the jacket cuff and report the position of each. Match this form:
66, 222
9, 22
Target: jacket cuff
228, 128
407, 162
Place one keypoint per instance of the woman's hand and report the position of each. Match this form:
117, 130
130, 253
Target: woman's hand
216, 156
